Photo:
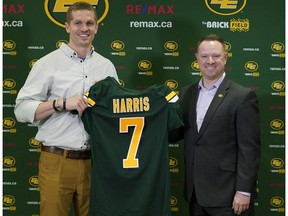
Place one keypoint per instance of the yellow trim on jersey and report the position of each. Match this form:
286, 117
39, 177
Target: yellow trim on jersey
170, 95
90, 101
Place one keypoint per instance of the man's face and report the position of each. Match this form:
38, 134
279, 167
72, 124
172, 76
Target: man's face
212, 58
82, 29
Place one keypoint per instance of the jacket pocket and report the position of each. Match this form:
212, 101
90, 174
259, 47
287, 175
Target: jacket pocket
228, 166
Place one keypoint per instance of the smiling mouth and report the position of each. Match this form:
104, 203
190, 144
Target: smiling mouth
83, 35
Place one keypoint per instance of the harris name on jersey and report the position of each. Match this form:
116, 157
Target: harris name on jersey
128, 105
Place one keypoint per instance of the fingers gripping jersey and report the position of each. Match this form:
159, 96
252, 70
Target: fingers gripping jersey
129, 141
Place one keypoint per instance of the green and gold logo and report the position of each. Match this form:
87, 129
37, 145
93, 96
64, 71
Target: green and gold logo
251, 66
278, 85
276, 124
33, 181
171, 46
277, 201
58, 43
34, 143
9, 45
9, 83
9, 122
277, 47
225, 7
56, 10
172, 84
195, 65
8, 200
277, 163
9, 161
144, 65
117, 45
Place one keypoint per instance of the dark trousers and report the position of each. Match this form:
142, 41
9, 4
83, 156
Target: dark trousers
197, 210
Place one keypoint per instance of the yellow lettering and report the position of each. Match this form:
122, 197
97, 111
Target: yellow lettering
136, 105
146, 104
115, 105
123, 106
129, 105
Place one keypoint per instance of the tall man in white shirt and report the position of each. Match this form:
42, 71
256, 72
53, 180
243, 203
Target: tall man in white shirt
54, 90
222, 138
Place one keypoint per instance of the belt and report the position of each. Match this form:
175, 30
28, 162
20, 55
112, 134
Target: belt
70, 154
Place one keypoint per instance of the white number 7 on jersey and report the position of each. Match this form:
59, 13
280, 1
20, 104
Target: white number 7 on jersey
138, 123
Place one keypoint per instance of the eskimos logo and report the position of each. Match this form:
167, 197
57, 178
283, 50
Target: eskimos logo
9, 83
117, 45
172, 84
173, 201
9, 122
34, 143
227, 46
58, 43
251, 66
277, 201
9, 161
144, 65
195, 65
32, 62
9, 45
171, 46
277, 47
225, 7
56, 10
122, 83
278, 85
173, 162
276, 124
33, 181
8, 200
277, 163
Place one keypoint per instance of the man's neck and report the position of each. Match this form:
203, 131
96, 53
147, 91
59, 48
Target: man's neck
81, 51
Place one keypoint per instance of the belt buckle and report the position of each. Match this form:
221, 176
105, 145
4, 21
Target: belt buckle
66, 153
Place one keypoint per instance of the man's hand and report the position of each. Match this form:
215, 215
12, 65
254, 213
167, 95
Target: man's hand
78, 103
240, 203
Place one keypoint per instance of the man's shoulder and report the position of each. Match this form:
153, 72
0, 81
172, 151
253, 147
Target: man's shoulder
189, 87
100, 58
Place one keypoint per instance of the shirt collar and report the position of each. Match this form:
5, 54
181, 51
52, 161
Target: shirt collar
215, 85
71, 53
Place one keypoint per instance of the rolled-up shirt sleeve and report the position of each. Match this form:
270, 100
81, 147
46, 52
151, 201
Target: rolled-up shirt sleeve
31, 95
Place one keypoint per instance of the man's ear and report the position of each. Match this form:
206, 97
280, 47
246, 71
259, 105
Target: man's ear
67, 27
96, 30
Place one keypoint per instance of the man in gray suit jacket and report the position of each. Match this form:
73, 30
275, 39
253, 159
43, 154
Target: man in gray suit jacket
221, 136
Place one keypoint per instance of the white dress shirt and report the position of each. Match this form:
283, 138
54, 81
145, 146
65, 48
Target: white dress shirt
61, 74
204, 99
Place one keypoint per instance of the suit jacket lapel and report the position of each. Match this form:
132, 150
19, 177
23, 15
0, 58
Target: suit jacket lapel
189, 100
217, 100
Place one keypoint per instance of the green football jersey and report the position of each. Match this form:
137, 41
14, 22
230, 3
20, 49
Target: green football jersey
129, 143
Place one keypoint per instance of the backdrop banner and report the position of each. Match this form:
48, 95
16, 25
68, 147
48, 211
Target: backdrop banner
150, 42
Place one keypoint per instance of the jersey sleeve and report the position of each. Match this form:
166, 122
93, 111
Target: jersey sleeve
175, 111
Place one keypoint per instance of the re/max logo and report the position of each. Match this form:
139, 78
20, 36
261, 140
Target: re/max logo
149, 9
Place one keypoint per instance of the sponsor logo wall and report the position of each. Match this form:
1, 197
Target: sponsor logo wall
150, 42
